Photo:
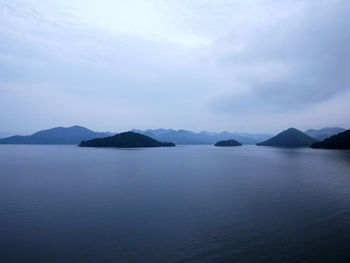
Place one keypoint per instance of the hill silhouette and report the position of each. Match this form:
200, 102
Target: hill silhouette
339, 141
58, 135
289, 138
125, 140
324, 133
228, 143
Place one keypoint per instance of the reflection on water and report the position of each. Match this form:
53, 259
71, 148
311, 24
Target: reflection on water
182, 204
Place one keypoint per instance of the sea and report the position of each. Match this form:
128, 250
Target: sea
173, 204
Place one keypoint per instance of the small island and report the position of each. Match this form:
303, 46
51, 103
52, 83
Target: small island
228, 143
340, 141
126, 140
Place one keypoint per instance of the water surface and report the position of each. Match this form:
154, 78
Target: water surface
181, 204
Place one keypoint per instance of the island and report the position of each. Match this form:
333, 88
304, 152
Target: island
290, 138
340, 141
126, 140
227, 143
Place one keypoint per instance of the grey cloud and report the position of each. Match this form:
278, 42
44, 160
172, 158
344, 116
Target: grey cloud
314, 54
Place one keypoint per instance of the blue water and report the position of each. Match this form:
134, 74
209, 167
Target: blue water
181, 204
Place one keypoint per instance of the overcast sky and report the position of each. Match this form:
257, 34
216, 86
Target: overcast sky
235, 65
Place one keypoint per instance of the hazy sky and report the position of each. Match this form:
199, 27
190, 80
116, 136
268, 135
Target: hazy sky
236, 65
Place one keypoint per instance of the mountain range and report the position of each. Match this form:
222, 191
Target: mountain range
77, 134
184, 137
58, 135
324, 133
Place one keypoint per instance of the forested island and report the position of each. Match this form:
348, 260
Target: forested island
339, 141
126, 140
228, 143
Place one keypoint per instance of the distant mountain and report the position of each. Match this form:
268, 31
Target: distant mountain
324, 133
59, 135
205, 137
228, 143
155, 132
125, 140
339, 141
4, 135
289, 138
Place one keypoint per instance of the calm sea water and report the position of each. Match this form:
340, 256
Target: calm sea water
182, 204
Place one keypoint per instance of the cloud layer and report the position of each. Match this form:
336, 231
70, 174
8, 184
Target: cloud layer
223, 65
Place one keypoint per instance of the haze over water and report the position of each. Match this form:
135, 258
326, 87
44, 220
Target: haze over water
181, 204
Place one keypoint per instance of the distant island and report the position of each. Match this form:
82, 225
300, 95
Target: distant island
291, 138
126, 140
59, 135
339, 141
227, 143
324, 133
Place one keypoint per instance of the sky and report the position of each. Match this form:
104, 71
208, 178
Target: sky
223, 65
